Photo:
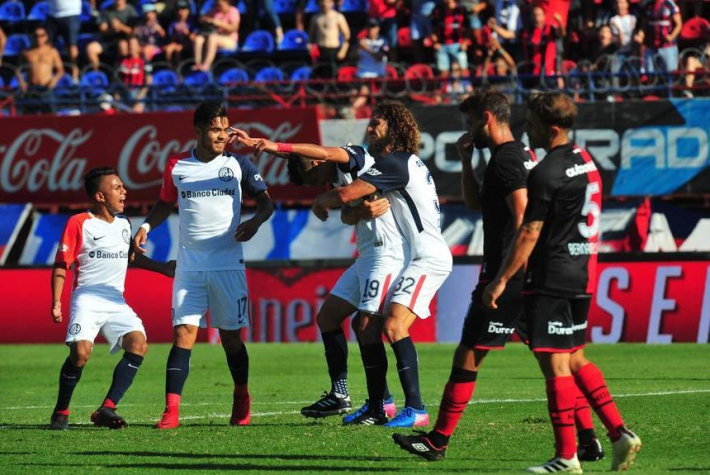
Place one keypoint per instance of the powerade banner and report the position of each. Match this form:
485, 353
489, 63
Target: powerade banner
43, 158
641, 148
644, 302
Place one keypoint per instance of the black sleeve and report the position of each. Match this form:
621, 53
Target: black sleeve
252, 182
510, 167
357, 156
388, 174
541, 188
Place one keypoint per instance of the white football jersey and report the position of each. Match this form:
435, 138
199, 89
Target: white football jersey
209, 197
371, 234
99, 252
415, 204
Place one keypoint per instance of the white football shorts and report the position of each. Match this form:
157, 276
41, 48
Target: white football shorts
417, 285
93, 315
367, 283
223, 292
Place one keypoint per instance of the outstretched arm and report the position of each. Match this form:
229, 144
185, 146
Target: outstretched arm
306, 150
368, 209
341, 196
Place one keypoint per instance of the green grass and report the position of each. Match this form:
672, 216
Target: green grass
504, 432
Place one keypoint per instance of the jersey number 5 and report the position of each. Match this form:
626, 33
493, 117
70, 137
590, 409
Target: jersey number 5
590, 208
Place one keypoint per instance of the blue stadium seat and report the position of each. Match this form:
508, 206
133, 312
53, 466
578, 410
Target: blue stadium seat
232, 77
86, 11
197, 79
269, 74
39, 11
15, 83
206, 7
106, 4
294, 40
12, 11
302, 74
166, 80
285, 7
258, 41
354, 6
94, 82
16, 42
242, 7
84, 39
65, 86
312, 6
2, 83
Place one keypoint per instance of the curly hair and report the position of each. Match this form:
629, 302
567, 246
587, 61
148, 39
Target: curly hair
402, 129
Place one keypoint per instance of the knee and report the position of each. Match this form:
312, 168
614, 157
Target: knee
393, 330
140, 348
80, 357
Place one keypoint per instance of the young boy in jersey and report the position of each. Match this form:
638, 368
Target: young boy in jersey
400, 176
502, 197
362, 288
208, 184
97, 242
558, 241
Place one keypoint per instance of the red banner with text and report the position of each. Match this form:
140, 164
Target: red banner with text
43, 159
283, 304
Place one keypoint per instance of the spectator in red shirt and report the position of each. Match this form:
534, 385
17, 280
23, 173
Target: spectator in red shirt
660, 27
133, 75
539, 43
450, 36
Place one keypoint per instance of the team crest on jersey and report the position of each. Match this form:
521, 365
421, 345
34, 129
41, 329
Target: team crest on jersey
74, 329
126, 236
374, 172
64, 247
92, 254
226, 174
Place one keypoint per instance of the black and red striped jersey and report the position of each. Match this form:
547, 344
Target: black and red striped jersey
564, 192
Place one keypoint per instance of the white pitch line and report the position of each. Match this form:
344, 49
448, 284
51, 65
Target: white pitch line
278, 413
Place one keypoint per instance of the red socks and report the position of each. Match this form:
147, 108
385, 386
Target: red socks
561, 401
582, 412
592, 384
453, 403
109, 403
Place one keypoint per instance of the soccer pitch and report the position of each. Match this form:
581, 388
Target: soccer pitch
662, 391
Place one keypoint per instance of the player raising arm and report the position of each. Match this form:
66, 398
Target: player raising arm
208, 185
97, 243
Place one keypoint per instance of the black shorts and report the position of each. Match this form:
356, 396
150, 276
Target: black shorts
488, 329
556, 324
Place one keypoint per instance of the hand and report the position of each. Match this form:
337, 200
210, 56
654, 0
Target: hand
246, 230
491, 293
116, 24
139, 241
319, 209
57, 312
341, 55
375, 208
257, 145
169, 268
464, 147
557, 17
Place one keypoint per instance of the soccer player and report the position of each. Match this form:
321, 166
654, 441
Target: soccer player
502, 199
362, 288
98, 242
208, 184
400, 176
558, 240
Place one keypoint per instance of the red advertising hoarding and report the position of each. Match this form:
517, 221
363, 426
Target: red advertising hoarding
283, 304
43, 159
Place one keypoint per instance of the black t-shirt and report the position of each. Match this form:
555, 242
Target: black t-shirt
564, 191
506, 172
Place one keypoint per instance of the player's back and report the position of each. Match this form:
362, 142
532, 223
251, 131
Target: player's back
506, 172
378, 233
568, 186
99, 252
412, 193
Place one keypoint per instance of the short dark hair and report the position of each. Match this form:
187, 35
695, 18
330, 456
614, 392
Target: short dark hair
207, 112
92, 179
554, 108
487, 100
296, 166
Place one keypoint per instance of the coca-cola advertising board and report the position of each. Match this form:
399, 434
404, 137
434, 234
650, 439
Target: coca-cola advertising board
43, 159
283, 305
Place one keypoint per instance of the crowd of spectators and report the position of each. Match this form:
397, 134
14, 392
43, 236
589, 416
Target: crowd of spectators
461, 40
